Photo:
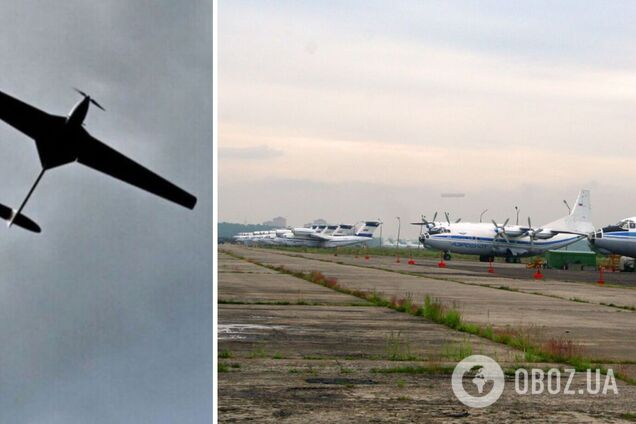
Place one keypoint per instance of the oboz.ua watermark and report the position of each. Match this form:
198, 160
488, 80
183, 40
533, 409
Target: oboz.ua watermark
488, 381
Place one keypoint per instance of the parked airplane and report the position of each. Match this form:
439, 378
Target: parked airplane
616, 239
316, 236
510, 241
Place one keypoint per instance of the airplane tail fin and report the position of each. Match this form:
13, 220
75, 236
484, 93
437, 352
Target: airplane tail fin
580, 218
367, 228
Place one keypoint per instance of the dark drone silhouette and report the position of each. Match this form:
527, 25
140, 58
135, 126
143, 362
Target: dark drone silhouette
62, 139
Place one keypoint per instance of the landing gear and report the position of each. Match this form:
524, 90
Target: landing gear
447, 256
17, 213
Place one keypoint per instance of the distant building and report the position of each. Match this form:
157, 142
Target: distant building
278, 222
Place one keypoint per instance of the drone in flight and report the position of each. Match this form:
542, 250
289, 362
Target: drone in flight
61, 140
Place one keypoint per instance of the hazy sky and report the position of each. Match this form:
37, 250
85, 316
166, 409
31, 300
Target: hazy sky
106, 315
358, 110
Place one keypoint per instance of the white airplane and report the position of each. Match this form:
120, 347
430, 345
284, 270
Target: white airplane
316, 236
616, 239
510, 241
331, 236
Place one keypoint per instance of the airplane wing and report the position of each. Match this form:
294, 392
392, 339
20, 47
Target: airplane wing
569, 232
95, 154
25, 118
319, 236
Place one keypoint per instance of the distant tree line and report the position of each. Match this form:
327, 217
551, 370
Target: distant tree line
226, 230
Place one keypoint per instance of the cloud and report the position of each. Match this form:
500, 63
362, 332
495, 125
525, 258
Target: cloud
249, 153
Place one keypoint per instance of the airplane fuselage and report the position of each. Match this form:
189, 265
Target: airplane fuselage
481, 239
616, 239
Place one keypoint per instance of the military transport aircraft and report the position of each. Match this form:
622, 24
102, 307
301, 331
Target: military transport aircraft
616, 239
62, 139
510, 241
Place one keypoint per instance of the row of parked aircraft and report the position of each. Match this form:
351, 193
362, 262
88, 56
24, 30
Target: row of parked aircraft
486, 240
315, 236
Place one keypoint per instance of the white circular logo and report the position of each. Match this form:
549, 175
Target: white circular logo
487, 375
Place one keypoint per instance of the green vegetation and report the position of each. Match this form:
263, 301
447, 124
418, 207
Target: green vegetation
398, 348
223, 367
628, 416
278, 355
457, 351
258, 352
225, 354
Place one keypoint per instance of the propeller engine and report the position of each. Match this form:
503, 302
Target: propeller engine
500, 231
431, 226
537, 233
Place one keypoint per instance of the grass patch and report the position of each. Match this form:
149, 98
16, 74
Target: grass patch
223, 367
457, 351
278, 355
628, 416
258, 352
225, 354
398, 348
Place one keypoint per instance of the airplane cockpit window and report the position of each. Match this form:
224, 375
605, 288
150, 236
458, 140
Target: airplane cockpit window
632, 225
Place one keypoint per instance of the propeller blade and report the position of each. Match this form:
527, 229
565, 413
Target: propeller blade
529, 223
80, 91
93, 101
505, 237
506, 223
494, 223
447, 217
435, 216
457, 220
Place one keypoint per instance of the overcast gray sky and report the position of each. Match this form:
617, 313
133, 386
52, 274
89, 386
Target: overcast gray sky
106, 315
366, 109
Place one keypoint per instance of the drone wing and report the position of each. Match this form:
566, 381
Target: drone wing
95, 154
25, 118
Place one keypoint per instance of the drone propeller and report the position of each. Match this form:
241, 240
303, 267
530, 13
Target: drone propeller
90, 99
500, 231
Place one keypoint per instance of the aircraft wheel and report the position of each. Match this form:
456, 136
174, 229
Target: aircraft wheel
447, 256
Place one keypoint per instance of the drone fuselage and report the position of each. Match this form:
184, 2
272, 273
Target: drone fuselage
77, 115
